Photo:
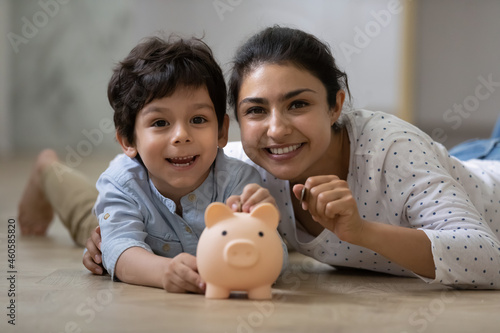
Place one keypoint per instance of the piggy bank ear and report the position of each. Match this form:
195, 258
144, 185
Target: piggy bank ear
216, 212
268, 213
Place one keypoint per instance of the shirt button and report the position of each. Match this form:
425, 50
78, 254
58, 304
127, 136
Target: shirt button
192, 197
166, 247
188, 229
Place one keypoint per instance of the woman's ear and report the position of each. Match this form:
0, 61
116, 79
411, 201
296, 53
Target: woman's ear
128, 148
337, 110
224, 132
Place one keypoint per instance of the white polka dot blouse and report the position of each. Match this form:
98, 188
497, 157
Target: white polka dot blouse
400, 176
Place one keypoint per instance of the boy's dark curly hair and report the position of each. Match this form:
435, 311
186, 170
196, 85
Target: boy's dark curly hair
154, 69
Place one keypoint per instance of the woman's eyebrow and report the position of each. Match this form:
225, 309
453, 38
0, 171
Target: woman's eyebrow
253, 100
295, 93
288, 95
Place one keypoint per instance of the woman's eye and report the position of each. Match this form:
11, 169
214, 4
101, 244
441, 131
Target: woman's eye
160, 123
254, 110
198, 120
298, 105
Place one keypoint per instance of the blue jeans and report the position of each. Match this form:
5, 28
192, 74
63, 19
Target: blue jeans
485, 149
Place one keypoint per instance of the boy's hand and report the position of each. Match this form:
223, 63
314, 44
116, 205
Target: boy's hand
181, 275
92, 259
252, 195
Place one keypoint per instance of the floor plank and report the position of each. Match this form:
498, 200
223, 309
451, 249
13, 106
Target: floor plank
54, 293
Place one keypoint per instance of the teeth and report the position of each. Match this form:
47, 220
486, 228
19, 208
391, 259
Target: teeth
182, 161
181, 165
279, 151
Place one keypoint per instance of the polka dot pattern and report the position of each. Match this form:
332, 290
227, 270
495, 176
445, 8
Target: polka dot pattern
400, 176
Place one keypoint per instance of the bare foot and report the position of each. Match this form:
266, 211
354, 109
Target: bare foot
35, 211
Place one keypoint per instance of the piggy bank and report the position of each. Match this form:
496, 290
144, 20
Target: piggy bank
240, 251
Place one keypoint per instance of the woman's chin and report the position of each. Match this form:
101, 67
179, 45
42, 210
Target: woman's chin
282, 172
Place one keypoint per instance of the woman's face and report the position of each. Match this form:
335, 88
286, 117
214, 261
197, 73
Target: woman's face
285, 120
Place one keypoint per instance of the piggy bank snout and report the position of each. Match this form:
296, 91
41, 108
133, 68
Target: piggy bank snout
241, 253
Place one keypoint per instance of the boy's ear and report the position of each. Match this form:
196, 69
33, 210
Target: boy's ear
224, 132
128, 148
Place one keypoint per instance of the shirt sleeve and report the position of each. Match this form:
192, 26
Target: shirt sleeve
243, 176
428, 197
121, 221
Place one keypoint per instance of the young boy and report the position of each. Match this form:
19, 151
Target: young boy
169, 102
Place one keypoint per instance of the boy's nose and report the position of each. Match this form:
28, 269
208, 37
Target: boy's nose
181, 135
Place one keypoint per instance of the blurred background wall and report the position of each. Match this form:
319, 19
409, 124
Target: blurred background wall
5, 53
457, 60
415, 59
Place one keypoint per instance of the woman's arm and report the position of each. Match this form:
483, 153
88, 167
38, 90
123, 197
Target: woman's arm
409, 248
330, 203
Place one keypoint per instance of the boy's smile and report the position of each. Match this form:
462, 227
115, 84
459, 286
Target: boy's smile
176, 138
182, 162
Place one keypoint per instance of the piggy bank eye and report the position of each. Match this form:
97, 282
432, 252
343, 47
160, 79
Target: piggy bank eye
261, 234
224, 233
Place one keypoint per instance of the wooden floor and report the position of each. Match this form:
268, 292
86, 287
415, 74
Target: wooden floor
54, 293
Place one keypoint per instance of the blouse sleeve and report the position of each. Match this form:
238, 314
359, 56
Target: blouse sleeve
427, 192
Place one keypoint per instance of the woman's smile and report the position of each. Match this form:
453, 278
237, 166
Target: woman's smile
283, 152
285, 120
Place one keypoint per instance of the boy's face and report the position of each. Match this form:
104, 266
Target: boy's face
177, 138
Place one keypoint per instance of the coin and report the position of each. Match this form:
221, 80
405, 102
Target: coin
302, 195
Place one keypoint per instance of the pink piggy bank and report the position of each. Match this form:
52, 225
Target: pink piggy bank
240, 251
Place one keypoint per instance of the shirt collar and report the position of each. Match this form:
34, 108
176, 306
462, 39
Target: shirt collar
205, 192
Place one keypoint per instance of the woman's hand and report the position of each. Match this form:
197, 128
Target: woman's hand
330, 203
252, 195
92, 258
181, 275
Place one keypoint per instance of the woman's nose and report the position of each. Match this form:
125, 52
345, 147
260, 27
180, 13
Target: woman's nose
279, 125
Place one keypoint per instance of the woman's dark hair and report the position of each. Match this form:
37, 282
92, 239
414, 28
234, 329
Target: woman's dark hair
154, 69
281, 45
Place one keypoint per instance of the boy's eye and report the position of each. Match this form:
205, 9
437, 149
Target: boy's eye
160, 123
198, 120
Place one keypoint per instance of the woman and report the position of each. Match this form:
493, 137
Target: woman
379, 193
375, 185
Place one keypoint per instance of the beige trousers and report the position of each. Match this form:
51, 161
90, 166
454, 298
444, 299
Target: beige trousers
72, 196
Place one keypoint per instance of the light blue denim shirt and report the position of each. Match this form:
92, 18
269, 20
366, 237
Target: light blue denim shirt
131, 211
